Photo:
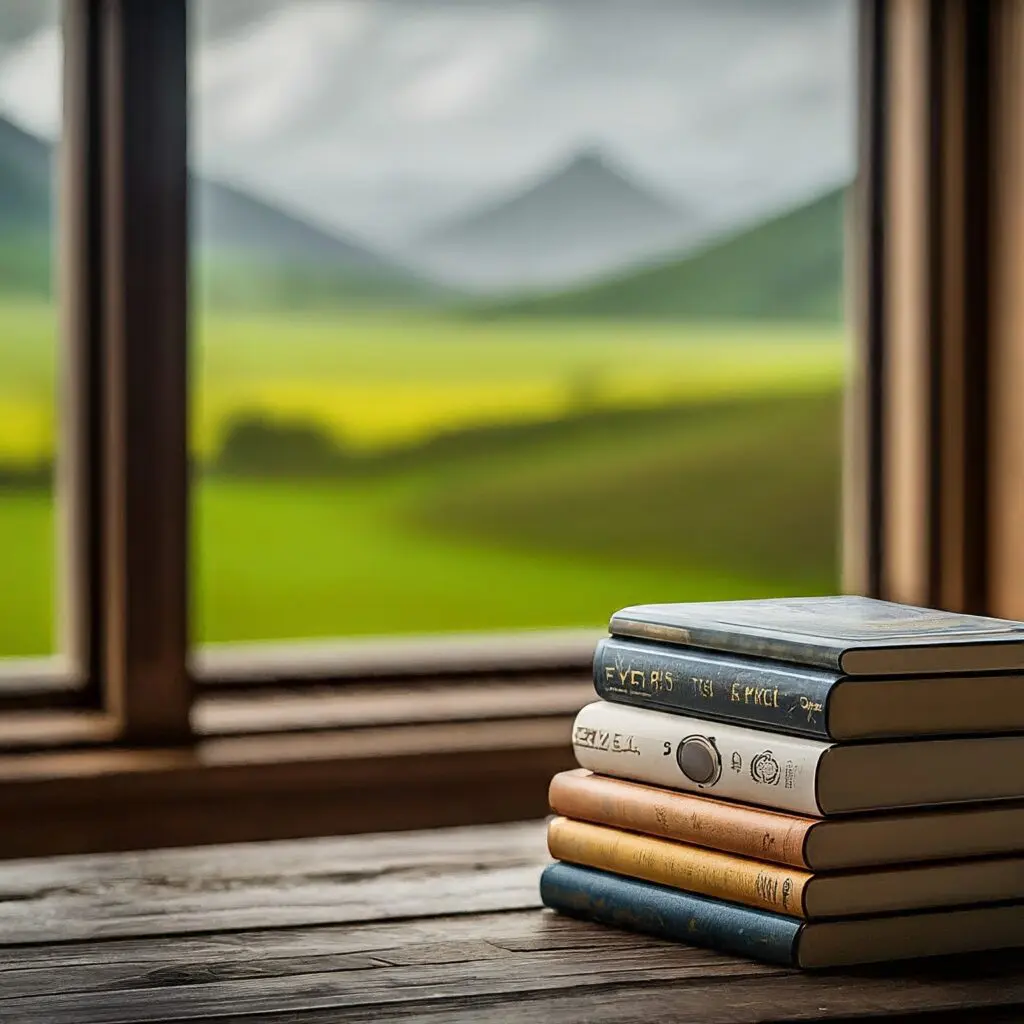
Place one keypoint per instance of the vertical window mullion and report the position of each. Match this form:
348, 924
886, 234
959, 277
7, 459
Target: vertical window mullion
79, 398
862, 440
924, 338
144, 350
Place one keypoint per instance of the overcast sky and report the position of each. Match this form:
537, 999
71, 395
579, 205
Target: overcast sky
387, 115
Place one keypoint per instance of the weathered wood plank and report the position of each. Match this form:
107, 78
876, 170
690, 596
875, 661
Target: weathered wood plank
389, 979
515, 942
272, 931
515, 967
270, 885
735, 1002
541, 988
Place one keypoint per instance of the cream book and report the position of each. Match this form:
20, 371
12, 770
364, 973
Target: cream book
792, 773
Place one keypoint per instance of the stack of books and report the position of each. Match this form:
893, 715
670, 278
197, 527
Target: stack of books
813, 781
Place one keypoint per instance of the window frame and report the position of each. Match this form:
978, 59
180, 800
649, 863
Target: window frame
157, 744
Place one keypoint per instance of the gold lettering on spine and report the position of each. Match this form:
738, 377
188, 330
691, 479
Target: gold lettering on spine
767, 888
703, 688
759, 696
631, 677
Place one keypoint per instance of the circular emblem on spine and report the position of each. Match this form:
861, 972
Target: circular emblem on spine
699, 760
765, 769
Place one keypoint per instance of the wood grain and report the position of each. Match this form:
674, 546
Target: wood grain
144, 327
1006, 411
431, 927
521, 966
323, 881
275, 711
79, 266
248, 788
905, 418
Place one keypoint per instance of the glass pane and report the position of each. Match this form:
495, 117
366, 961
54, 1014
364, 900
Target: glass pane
510, 314
30, 85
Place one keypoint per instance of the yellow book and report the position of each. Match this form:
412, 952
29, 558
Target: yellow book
782, 889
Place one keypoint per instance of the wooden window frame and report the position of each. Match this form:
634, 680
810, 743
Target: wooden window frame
934, 461
132, 741
129, 740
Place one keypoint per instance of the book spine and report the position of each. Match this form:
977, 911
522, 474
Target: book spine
722, 876
698, 756
701, 820
824, 653
669, 914
761, 694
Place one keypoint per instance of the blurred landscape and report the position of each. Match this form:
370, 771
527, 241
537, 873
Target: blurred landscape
474, 350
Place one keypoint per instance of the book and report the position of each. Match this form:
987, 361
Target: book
802, 700
813, 844
665, 913
849, 634
793, 773
784, 889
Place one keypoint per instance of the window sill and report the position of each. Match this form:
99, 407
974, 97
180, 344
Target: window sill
360, 707
449, 657
244, 788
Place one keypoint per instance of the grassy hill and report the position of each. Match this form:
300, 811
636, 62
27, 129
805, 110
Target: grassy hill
786, 268
736, 488
554, 527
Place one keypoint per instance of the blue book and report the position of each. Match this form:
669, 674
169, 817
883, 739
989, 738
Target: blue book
750, 691
679, 916
802, 700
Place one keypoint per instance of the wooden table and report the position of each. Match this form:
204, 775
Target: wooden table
428, 927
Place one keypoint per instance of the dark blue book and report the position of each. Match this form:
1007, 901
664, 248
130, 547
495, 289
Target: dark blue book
669, 913
749, 691
656, 910
801, 700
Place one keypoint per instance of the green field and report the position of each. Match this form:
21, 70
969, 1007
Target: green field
506, 473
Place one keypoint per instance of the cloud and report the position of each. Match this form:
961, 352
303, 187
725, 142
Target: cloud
251, 83
21, 19
30, 81
385, 115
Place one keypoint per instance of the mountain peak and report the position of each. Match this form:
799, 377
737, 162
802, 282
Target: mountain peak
590, 172
591, 157
582, 216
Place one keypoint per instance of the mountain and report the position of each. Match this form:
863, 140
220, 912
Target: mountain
227, 220
25, 204
252, 253
584, 218
789, 267
25, 184
248, 250
399, 115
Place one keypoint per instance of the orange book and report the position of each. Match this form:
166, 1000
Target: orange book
811, 844
735, 828
785, 890
708, 872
